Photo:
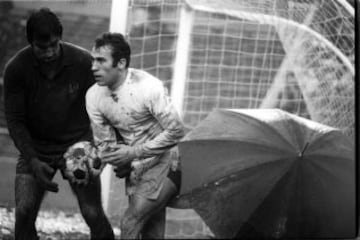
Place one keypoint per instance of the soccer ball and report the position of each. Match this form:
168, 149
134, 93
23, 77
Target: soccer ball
82, 162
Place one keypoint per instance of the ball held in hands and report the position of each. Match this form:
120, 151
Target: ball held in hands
82, 162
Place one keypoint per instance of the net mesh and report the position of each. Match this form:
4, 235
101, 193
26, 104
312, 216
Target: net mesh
293, 55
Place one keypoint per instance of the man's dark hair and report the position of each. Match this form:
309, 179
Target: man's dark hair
118, 44
43, 24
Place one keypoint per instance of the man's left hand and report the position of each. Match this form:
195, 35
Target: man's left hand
119, 155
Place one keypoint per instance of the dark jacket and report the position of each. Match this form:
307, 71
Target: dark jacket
45, 116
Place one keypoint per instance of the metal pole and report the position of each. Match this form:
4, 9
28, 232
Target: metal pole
181, 58
118, 23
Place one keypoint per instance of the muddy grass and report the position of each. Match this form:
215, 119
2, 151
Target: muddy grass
53, 225
50, 225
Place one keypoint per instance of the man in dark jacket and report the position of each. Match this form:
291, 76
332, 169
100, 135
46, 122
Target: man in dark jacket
45, 85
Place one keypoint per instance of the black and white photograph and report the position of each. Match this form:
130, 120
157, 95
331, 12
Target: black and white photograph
179, 119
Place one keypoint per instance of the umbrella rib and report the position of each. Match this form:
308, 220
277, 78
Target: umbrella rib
232, 176
303, 151
254, 142
268, 126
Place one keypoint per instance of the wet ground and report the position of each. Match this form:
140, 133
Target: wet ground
54, 226
59, 225
50, 225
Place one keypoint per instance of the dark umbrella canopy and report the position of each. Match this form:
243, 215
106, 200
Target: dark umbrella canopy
268, 173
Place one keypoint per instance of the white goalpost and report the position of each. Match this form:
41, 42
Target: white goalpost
181, 58
297, 55
118, 23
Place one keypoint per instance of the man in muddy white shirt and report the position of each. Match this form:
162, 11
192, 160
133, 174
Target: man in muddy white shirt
134, 105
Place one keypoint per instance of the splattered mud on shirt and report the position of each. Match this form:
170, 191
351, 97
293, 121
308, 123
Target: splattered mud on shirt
144, 117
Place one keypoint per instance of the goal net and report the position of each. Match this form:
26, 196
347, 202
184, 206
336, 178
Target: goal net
294, 55
297, 55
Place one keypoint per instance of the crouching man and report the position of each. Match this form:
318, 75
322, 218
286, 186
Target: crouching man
45, 85
134, 105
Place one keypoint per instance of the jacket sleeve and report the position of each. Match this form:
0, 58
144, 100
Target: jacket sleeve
15, 111
159, 104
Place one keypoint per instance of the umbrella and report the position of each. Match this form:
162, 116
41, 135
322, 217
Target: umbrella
266, 173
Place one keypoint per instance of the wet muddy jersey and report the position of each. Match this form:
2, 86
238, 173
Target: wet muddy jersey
141, 112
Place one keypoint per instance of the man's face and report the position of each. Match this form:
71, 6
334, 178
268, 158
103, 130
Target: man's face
46, 50
104, 72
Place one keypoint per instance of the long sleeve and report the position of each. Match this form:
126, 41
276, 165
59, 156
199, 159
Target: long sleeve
46, 116
103, 133
160, 106
15, 111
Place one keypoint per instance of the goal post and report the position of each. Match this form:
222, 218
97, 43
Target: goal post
181, 58
118, 23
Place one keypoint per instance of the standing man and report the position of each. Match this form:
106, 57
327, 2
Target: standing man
134, 105
45, 85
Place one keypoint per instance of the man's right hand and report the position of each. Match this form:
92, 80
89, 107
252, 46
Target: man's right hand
42, 173
123, 171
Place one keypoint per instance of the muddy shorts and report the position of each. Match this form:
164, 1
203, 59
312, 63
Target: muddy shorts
175, 177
